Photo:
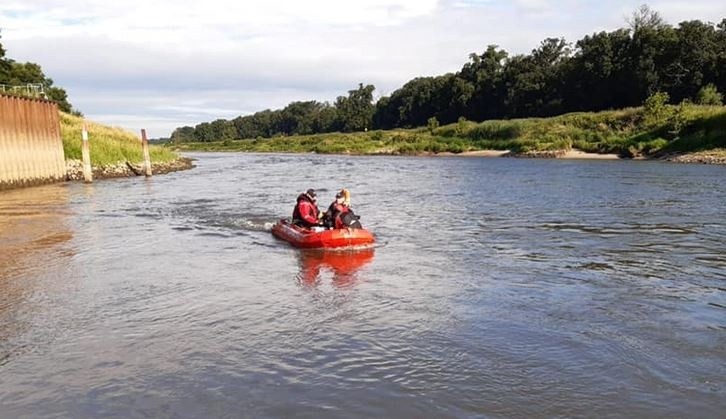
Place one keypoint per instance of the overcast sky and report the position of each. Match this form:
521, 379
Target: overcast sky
163, 64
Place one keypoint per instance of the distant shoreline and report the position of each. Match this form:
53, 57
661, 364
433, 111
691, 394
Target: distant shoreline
626, 134
713, 157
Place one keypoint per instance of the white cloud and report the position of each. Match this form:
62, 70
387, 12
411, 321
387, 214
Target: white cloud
172, 63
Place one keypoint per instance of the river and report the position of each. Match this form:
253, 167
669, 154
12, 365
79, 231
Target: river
497, 288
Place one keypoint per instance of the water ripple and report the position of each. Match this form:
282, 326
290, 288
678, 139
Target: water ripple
497, 288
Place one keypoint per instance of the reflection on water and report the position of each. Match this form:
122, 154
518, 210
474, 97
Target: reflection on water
34, 240
31, 215
342, 265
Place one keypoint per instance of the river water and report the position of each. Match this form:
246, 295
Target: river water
498, 288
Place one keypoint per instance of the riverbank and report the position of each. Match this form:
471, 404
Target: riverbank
112, 151
717, 156
74, 168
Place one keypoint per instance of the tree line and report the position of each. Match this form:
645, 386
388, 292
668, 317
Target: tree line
13, 73
349, 113
605, 70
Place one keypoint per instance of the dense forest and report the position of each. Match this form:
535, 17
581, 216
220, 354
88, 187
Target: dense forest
13, 73
605, 70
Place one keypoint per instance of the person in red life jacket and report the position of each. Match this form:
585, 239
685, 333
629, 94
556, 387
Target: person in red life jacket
333, 216
339, 214
306, 212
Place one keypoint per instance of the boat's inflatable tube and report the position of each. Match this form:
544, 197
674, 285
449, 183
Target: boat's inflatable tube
306, 238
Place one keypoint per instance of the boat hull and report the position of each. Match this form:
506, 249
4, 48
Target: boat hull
309, 239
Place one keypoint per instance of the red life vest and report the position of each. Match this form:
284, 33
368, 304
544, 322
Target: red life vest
306, 212
335, 212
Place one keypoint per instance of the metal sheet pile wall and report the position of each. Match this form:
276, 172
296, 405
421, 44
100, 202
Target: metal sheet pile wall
31, 149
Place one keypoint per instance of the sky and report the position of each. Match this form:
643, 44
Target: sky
164, 64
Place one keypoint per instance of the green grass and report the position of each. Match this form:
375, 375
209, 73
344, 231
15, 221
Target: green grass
108, 145
627, 132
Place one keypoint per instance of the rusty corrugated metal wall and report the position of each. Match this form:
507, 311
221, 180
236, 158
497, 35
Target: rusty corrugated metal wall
31, 149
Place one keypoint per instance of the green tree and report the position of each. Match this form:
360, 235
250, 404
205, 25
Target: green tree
302, 118
597, 76
444, 97
452, 97
645, 18
325, 119
203, 132
485, 72
183, 135
260, 124
244, 127
221, 129
651, 52
4, 64
692, 61
355, 112
263, 123
534, 82
720, 56
409, 105
384, 116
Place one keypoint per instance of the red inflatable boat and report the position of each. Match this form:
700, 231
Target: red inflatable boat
305, 238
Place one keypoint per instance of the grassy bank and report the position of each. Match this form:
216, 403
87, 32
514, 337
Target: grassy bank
108, 145
630, 133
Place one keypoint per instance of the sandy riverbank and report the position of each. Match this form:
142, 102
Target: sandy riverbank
572, 154
577, 154
480, 153
716, 156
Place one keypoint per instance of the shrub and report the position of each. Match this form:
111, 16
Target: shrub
446, 131
679, 118
432, 124
407, 149
376, 136
709, 95
461, 126
656, 108
655, 145
496, 130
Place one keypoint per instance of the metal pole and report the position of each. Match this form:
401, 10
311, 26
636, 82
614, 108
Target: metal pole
145, 150
86, 153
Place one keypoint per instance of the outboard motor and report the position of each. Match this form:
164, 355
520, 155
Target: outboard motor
351, 220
